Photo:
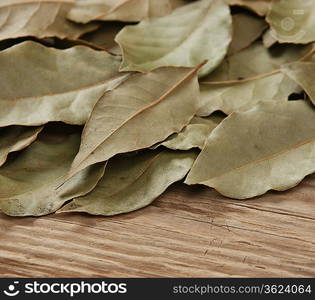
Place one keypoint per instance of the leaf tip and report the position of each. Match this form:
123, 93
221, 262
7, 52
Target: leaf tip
201, 64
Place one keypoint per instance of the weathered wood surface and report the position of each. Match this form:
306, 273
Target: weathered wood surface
188, 232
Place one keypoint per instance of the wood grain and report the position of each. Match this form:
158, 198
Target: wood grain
187, 232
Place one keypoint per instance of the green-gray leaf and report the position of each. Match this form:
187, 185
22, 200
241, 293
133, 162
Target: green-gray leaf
15, 138
262, 61
29, 182
121, 10
271, 146
303, 73
193, 135
190, 35
40, 84
246, 30
133, 182
260, 7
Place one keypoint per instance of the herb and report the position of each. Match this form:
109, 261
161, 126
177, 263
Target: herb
104, 104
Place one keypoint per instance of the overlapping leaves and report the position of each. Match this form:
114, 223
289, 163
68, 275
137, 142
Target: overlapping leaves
48, 84
39, 18
121, 10
195, 32
271, 146
143, 118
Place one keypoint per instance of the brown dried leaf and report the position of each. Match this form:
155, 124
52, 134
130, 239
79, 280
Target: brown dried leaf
246, 30
39, 18
192, 34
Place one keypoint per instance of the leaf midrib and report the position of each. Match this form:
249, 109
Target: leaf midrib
66, 92
138, 177
113, 9
152, 104
265, 158
262, 75
195, 28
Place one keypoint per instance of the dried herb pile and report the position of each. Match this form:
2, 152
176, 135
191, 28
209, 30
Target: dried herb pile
106, 103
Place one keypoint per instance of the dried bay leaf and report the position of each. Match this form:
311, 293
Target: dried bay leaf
121, 10
193, 135
39, 18
15, 138
28, 183
256, 60
143, 110
104, 37
190, 35
303, 73
241, 95
271, 146
133, 182
292, 21
246, 30
53, 85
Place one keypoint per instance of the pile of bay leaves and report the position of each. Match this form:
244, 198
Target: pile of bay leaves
106, 103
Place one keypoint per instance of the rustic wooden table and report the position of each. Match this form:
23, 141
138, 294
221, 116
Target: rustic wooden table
188, 232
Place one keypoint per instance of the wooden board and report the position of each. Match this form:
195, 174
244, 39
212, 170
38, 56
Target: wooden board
187, 232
